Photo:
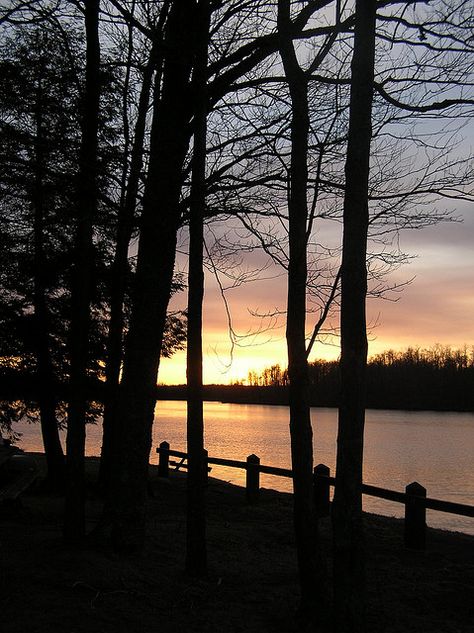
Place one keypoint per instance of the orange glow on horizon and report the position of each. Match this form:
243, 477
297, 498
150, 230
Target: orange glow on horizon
218, 368
435, 308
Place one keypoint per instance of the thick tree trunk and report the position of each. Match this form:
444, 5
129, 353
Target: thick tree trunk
44, 366
120, 270
349, 557
126, 502
311, 569
82, 281
196, 557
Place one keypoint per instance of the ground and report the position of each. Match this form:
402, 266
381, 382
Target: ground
46, 587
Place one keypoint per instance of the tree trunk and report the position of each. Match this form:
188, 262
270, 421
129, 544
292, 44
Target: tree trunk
126, 503
44, 366
82, 281
311, 569
120, 269
196, 558
349, 561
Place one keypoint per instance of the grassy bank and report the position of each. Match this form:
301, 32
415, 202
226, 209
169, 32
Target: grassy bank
252, 587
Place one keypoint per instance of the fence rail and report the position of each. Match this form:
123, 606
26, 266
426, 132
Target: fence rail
414, 498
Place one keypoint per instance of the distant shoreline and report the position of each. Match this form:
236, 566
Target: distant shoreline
327, 395
278, 396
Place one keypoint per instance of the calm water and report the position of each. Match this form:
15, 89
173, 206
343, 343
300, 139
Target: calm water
435, 449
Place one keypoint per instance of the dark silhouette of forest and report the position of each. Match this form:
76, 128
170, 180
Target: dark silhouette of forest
435, 379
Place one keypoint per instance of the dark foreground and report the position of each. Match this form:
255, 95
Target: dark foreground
252, 588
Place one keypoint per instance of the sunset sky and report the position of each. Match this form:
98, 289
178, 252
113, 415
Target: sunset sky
437, 307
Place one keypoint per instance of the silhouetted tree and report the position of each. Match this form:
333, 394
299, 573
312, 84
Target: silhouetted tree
196, 554
82, 284
46, 396
311, 570
156, 256
27, 12
349, 554
126, 223
161, 219
38, 106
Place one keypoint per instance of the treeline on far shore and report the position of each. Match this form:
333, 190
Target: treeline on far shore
438, 379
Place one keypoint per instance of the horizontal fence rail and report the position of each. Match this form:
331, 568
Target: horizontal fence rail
414, 498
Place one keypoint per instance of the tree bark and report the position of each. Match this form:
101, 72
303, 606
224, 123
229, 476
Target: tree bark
349, 557
74, 526
311, 570
196, 555
126, 503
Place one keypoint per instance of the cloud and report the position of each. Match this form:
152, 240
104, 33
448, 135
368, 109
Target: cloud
438, 307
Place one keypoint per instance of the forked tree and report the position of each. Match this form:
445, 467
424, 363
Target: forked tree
310, 566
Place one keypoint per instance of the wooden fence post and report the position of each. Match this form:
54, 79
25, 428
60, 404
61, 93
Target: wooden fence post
415, 516
205, 464
321, 489
163, 462
253, 478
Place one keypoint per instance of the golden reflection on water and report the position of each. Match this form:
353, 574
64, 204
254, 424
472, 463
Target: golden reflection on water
435, 449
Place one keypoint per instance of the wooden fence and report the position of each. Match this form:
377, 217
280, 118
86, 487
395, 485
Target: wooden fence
414, 498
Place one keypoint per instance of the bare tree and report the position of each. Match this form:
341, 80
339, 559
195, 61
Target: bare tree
83, 279
349, 555
27, 12
161, 218
156, 255
126, 222
196, 555
311, 569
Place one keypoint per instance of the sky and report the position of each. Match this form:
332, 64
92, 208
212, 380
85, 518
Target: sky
437, 307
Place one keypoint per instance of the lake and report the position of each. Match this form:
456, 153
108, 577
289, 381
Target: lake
435, 449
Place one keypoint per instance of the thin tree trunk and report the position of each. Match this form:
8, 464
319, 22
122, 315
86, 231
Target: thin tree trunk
311, 569
349, 555
74, 526
126, 503
196, 556
44, 367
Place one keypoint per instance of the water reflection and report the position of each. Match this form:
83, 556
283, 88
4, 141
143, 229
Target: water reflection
435, 449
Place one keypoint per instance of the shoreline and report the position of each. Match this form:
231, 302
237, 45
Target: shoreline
252, 585
389, 509
270, 396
